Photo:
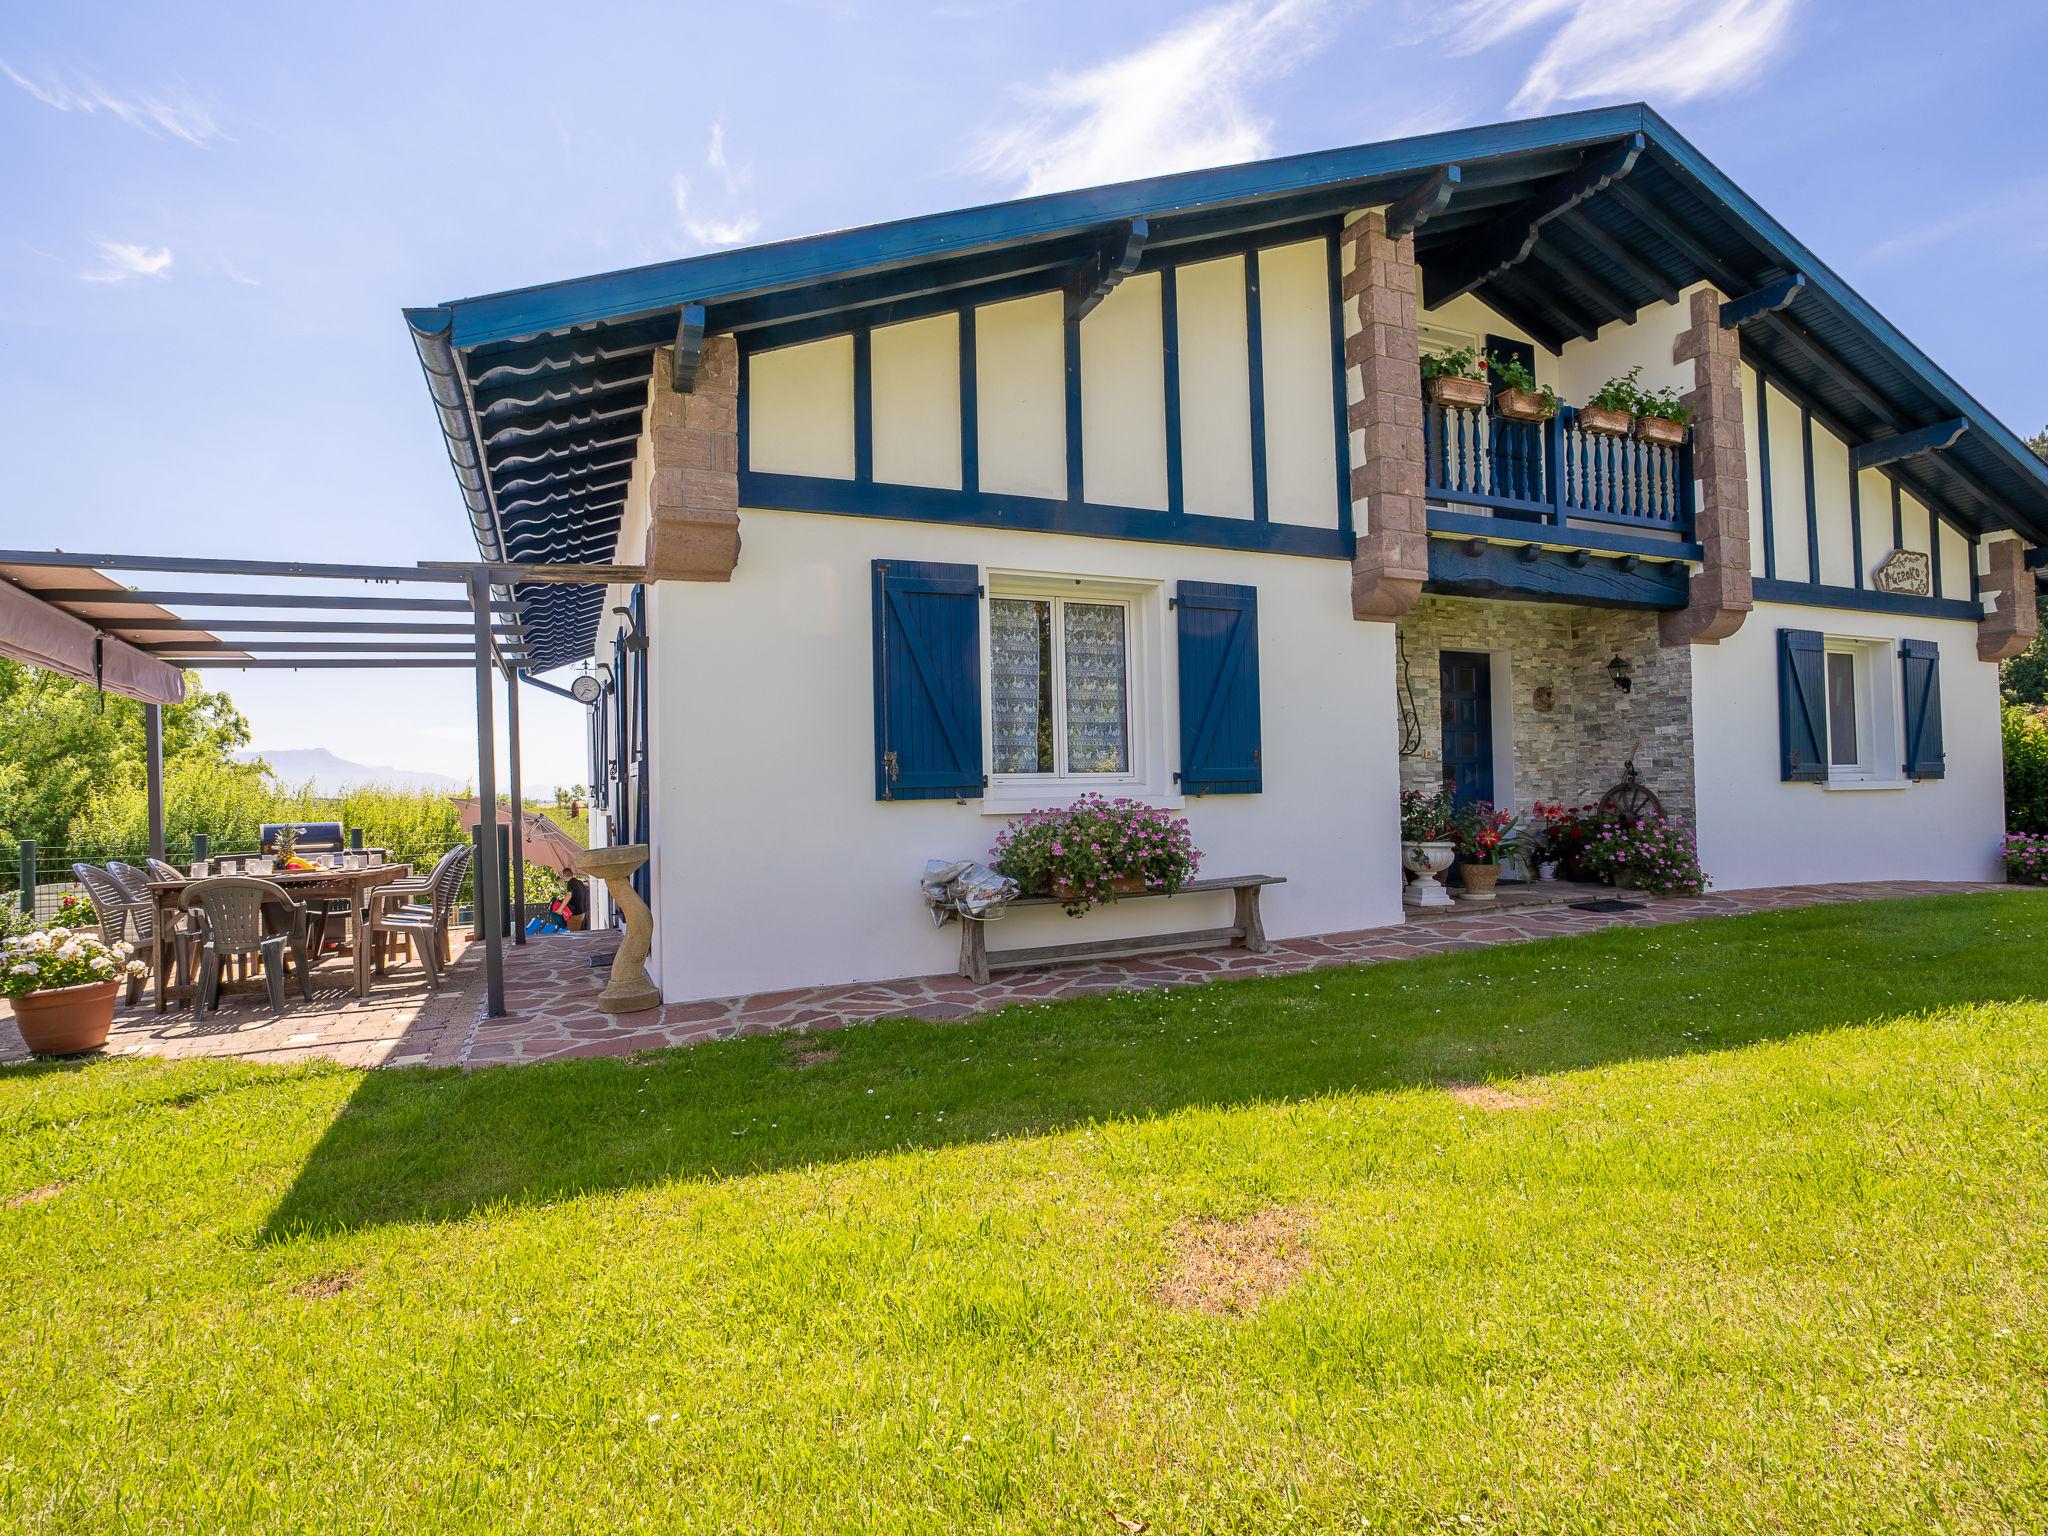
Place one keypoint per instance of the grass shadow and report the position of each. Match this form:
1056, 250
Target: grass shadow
419, 1145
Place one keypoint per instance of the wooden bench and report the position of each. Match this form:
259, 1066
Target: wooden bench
1246, 931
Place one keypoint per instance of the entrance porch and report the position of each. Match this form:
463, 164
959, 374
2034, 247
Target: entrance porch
1521, 702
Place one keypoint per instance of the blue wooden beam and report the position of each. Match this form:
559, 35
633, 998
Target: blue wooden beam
1632, 261
1554, 576
1681, 239
1508, 241
1109, 266
1767, 300
1904, 445
689, 348
1425, 202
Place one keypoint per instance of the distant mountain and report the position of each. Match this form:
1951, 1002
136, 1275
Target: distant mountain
331, 774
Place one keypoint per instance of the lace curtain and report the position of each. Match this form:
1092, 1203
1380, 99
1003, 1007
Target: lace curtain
1098, 691
1020, 706
1094, 649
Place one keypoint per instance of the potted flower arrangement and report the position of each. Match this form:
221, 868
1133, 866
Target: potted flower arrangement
1455, 376
1661, 417
62, 985
1519, 398
1427, 846
1481, 833
1650, 853
1096, 850
75, 911
1568, 831
1610, 411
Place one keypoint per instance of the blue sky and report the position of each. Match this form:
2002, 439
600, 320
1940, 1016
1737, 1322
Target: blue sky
212, 215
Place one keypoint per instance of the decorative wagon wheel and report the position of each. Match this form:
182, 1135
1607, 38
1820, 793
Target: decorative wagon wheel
1631, 799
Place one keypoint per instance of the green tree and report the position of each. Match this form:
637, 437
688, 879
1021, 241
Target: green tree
61, 741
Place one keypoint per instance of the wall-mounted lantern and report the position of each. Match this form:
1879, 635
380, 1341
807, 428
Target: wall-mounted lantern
1622, 673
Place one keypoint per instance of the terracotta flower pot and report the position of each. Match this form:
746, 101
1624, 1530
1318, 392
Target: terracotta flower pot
1524, 405
1602, 422
1655, 429
62, 1021
1480, 880
1121, 885
1446, 389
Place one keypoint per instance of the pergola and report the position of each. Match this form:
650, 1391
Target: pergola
60, 612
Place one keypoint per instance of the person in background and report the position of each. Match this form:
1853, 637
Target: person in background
567, 912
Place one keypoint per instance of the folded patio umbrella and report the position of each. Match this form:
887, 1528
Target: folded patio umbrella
541, 841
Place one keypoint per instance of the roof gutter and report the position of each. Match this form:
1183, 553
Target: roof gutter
433, 339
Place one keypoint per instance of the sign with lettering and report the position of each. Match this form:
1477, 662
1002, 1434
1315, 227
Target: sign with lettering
1904, 571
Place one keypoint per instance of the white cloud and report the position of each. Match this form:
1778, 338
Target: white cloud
1601, 51
728, 227
120, 262
1178, 103
177, 116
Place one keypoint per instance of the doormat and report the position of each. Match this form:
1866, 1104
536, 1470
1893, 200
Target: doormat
1607, 904
599, 962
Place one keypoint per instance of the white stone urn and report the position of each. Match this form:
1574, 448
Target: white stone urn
1427, 862
629, 990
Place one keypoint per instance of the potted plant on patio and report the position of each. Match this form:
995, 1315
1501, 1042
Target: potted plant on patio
62, 985
1482, 832
1427, 848
1610, 411
1096, 850
1649, 853
1661, 417
1520, 398
1455, 376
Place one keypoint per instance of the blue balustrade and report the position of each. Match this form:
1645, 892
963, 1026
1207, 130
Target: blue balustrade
1552, 472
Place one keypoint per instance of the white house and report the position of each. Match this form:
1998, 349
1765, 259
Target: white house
1138, 489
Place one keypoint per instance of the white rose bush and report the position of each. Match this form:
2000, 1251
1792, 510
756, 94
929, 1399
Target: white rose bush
58, 957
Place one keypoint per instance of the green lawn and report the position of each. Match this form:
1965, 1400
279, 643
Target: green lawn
1753, 1241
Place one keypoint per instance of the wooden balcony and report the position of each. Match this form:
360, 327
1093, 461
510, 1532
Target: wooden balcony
1555, 474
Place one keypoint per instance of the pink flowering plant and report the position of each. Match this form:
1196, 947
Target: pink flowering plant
57, 957
1657, 852
74, 911
1481, 831
2026, 857
1089, 845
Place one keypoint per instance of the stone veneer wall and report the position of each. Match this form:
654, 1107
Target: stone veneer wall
1575, 751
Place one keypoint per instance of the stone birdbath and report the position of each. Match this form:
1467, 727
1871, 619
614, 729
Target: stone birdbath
629, 990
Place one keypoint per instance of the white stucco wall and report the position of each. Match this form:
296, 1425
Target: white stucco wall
800, 401
777, 867
1123, 398
916, 377
1301, 431
1756, 830
1020, 372
1215, 389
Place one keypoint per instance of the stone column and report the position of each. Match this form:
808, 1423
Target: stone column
693, 526
2011, 613
1719, 597
1383, 384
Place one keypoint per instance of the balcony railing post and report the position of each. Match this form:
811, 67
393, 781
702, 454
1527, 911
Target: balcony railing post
1553, 467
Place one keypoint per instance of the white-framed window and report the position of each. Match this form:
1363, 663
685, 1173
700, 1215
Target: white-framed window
1862, 712
1075, 695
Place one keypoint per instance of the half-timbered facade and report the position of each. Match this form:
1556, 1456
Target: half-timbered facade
1137, 490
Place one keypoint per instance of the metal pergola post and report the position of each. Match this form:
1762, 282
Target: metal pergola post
488, 881
153, 753
518, 808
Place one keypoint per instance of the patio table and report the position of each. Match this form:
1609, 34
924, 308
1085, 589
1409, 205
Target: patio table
351, 885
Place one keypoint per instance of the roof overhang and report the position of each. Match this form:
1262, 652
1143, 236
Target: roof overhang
1562, 224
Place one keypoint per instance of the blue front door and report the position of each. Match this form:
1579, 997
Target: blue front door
1467, 686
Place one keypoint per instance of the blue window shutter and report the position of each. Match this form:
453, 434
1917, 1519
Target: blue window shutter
927, 681
1920, 680
1802, 705
1219, 689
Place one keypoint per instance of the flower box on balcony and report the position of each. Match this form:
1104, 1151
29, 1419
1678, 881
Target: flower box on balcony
1525, 405
1450, 389
1601, 422
1658, 430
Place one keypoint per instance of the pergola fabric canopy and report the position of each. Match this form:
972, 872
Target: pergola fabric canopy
38, 632
1563, 224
